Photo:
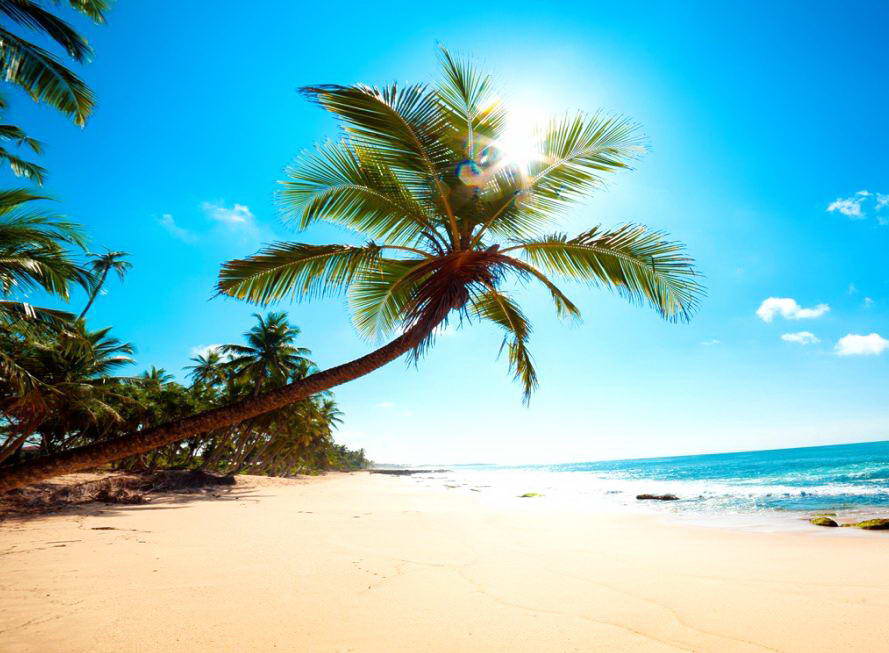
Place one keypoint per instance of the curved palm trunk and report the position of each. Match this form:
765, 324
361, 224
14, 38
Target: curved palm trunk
106, 451
93, 294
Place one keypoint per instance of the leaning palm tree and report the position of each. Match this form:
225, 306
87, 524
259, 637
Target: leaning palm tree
451, 226
39, 72
100, 266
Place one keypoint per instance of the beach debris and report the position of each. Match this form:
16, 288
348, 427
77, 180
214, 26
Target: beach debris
530, 495
657, 497
873, 525
118, 488
823, 521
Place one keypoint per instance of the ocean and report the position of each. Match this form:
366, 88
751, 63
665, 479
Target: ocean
850, 479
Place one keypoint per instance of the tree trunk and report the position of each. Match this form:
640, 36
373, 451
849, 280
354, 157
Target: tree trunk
93, 294
106, 451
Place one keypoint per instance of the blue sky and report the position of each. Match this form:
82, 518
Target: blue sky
759, 117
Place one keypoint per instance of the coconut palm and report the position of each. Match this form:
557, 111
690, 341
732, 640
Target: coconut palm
209, 368
38, 71
70, 382
451, 226
269, 355
100, 266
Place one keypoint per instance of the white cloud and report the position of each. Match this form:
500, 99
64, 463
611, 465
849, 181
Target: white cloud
853, 207
789, 309
848, 206
868, 301
168, 223
855, 345
710, 343
237, 216
800, 338
386, 405
852, 289
202, 350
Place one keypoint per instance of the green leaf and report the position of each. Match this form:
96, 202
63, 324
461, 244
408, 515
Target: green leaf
641, 265
296, 270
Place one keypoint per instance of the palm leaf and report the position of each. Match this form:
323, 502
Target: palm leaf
33, 16
296, 270
44, 78
379, 297
335, 183
641, 265
497, 307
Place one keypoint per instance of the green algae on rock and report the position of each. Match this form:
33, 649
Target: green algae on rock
823, 521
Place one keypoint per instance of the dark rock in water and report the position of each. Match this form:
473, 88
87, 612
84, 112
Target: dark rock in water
823, 521
874, 525
657, 497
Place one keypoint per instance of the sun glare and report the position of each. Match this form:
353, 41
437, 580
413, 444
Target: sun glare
519, 144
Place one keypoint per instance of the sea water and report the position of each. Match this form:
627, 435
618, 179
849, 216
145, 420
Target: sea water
850, 479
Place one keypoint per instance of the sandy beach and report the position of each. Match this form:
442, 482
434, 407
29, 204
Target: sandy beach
359, 562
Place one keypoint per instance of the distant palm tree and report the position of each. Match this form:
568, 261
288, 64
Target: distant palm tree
34, 256
100, 266
420, 173
209, 368
269, 357
156, 376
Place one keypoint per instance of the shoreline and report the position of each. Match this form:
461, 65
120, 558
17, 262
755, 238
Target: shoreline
373, 563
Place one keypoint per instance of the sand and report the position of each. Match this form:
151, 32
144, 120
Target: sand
370, 563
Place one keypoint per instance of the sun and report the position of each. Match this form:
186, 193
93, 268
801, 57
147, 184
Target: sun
519, 144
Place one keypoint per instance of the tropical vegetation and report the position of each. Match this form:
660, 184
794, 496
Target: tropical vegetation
449, 227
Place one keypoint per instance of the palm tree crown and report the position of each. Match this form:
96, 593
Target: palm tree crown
269, 355
449, 221
100, 266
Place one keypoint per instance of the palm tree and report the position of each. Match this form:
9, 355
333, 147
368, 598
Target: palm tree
37, 71
34, 256
100, 266
269, 355
70, 382
450, 225
209, 368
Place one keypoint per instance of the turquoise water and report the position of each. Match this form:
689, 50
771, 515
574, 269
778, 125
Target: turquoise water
839, 477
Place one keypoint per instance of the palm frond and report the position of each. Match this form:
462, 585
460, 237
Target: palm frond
474, 115
337, 184
44, 78
33, 16
22, 168
13, 311
296, 270
403, 127
497, 307
95, 9
565, 308
574, 152
379, 297
641, 265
